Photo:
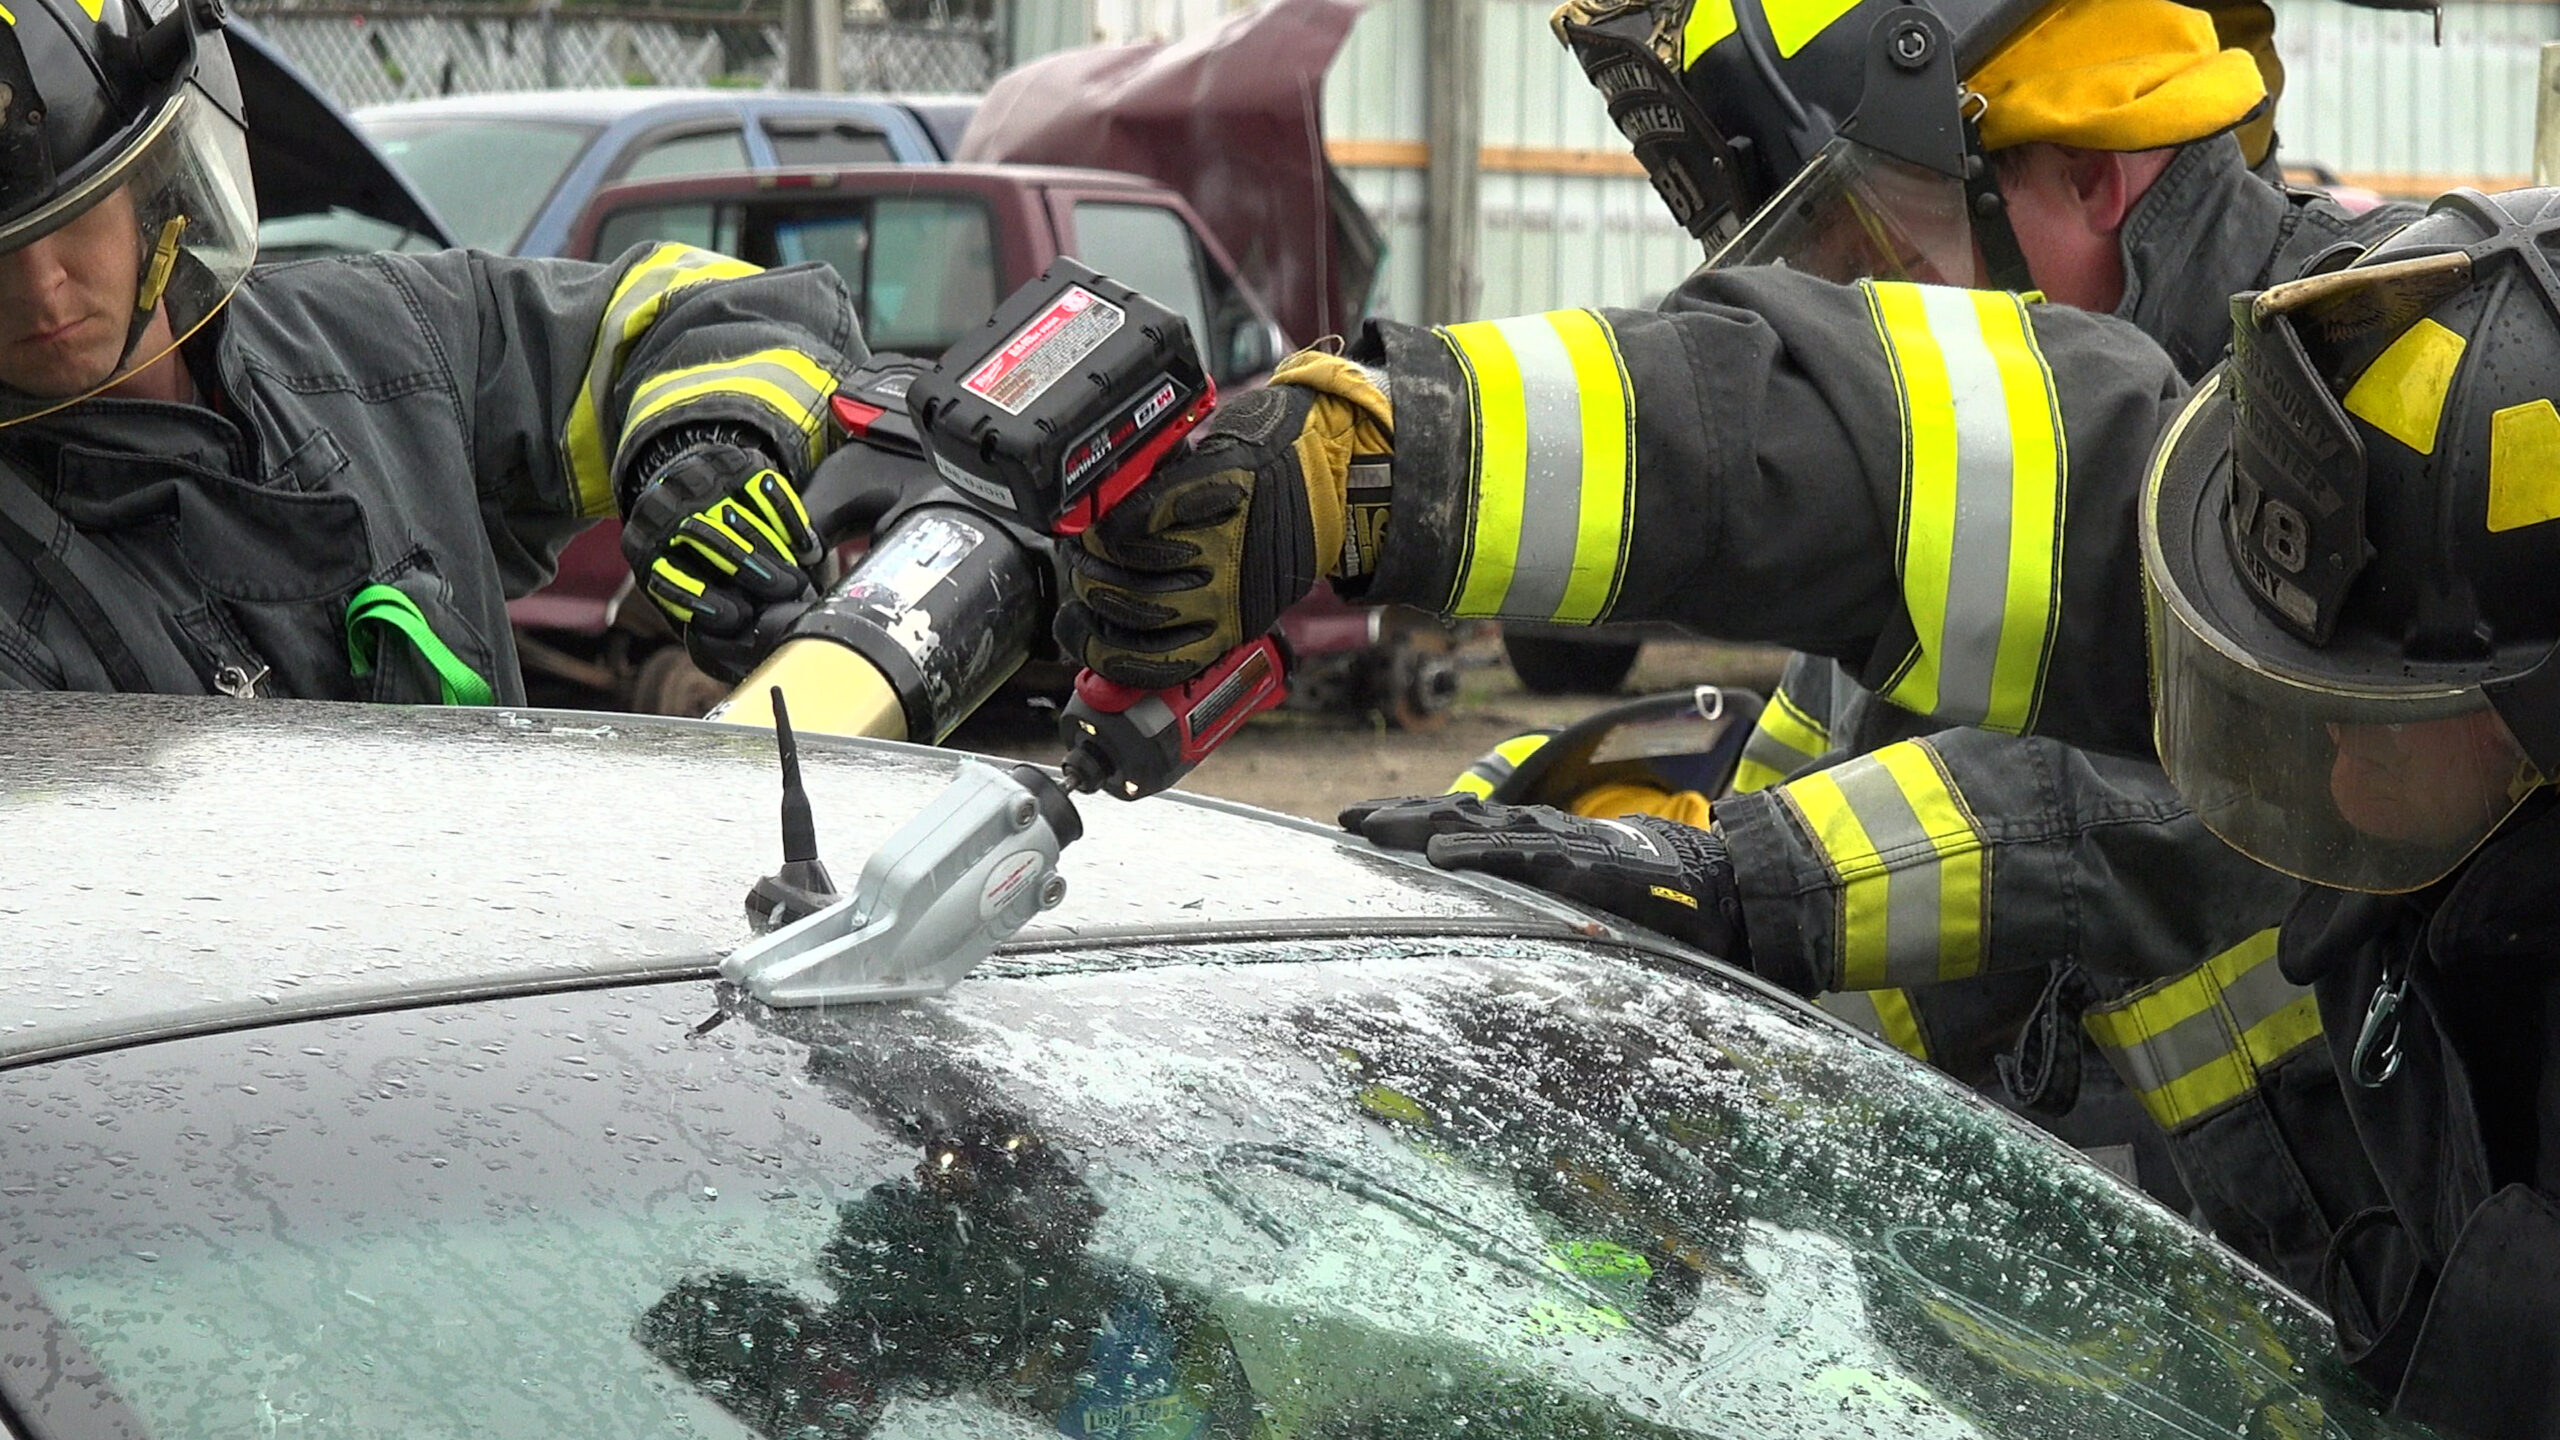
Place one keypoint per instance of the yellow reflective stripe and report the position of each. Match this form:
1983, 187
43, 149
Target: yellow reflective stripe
1552, 483
628, 314
1984, 472
2038, 473
791, 384
1784, 741
1472, 783
1909, 862
2191, 1045
1600, 385
1901, 1023
1885, 1014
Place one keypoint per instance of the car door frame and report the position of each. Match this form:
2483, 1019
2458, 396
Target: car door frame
1064, 196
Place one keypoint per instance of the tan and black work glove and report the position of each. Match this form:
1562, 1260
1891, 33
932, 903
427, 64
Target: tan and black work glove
1666, 876
1206, 552
719, 541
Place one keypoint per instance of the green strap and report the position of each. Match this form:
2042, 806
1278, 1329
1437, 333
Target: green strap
383, 605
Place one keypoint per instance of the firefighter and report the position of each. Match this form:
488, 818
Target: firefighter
2098, 869
324, 480
2347, 546
1921, 483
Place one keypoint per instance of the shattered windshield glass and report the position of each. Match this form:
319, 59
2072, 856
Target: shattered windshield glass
1448, 1188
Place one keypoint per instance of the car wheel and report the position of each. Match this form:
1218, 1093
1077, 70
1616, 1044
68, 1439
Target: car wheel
1422, 688
669, 683
1558, 665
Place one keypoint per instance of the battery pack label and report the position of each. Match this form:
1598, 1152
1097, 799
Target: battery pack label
1093, 456
1040, 353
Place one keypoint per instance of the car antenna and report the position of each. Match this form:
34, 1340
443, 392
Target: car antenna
801, 888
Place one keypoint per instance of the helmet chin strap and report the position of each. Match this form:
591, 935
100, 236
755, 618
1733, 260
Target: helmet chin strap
1989, 209
156, 273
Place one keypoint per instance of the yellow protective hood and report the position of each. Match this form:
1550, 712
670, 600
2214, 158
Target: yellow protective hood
2115, 75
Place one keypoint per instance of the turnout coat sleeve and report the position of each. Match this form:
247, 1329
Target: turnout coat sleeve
1935, 487
1965, 852
564, 368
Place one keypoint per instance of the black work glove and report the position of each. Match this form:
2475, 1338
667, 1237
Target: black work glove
1664, 876
1205, 553
720, 542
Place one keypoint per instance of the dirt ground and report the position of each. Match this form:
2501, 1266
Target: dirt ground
1313, 764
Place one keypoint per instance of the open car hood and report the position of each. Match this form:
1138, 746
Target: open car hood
305, 155
1233, 120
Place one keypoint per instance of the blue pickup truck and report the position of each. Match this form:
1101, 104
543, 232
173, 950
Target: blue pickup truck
510, 172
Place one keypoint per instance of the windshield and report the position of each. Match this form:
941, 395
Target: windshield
922, 268
486, 177
1450, 1188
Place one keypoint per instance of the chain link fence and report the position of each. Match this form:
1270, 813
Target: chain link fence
367, 56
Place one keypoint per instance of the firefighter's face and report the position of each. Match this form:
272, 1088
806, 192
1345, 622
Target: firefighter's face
2429, 783
2068, 207
66, 302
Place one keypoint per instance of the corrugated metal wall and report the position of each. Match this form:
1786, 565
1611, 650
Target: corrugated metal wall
1565, 222
2369, 94
1552, 232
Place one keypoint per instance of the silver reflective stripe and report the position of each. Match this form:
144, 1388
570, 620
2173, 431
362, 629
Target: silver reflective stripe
1911, 936
1551, 500
1978, 581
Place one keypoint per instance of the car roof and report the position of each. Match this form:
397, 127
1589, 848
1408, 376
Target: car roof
606, 106
209, 864
908, 177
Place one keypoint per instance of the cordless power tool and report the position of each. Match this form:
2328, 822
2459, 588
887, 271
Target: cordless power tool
1071, 394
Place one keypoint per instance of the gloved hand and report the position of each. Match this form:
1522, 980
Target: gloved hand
721, 544
1205, 553
1665, 876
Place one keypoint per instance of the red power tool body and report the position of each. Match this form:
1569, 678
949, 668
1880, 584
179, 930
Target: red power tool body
1072, 393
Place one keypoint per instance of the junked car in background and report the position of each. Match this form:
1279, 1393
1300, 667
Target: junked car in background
354, 1114
322, 187
510, 172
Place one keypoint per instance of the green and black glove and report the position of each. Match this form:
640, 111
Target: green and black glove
720, 542
1206, 552
1665, 876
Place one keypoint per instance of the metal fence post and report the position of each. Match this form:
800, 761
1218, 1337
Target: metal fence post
811, 29
2546, 118
1453, 84
548, 19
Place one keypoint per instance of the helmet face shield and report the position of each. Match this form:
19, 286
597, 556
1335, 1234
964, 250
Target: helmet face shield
2374, 786
117, 271
1858, 214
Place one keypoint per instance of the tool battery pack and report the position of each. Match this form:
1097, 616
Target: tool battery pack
1064, 400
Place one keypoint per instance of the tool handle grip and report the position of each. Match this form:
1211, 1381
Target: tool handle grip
1136, 743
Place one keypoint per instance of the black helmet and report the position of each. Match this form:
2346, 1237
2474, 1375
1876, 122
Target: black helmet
2350, 537
1849, 138
98, 100
1725, 101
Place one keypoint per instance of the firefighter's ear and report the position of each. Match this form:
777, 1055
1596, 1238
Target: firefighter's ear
2107, 184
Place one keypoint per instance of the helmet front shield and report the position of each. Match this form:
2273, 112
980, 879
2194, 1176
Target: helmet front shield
2381, 784
1857, 213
